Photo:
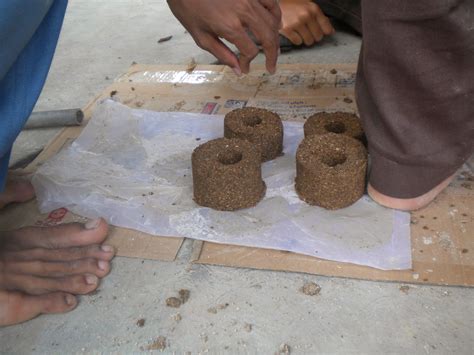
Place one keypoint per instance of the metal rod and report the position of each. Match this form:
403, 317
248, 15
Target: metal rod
59, 118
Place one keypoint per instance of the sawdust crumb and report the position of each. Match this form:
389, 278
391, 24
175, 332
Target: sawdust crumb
191, 65
184, 294
113, 93
173, 302
221, 306
217, 97
465, 251
467, 186
310, 289
139, 103
177, 317
284, 349
333, 71
404, 289
347, 100
159, 344
141, 322
248, 327
413, 220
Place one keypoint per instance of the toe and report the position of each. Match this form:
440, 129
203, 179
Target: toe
62, 236
35, 285
16, 191
96, 251
99, 268
16, 307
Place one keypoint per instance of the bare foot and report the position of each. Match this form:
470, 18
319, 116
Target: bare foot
409, 204
16, 191
54, 263
43, 268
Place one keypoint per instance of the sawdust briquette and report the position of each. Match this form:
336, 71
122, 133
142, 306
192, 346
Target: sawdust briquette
227, 174
335, 122
330, 170
259, 126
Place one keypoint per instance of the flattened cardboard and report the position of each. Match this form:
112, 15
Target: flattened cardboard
442, 234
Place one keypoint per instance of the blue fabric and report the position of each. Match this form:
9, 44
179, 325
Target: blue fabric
29, 32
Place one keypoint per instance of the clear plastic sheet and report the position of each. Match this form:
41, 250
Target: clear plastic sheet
133, 167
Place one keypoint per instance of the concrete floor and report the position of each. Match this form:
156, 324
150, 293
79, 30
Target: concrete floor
265, 309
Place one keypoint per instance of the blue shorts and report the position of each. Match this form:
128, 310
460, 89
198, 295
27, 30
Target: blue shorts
29, 31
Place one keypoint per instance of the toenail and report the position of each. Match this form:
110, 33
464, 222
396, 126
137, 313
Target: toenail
107, 248
70, 300
92, 224
91, 279
102, 264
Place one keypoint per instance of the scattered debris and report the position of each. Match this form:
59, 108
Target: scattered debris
217, 97
198, 138
191, 65
333, 71
347, 100
132, 88
164, 39
177, 317
465, 251
413, 220
284, 349
466, 185
139, 103
134, 63
404, 289
248, 327
158, 344
173, 302
311, 289
218, 307
113, 93
141, 322
184, 294
107, 78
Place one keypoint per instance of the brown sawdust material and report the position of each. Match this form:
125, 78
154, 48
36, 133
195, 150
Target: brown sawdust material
141, 322
404, 289
330, 170
184, 295
334, 122
259, 126
284, 349
221, 306
159, 344
173, 302
227, 174
311, 289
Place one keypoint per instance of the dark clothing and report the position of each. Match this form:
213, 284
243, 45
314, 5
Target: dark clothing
415, 91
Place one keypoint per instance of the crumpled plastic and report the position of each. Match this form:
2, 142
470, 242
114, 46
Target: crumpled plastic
133, 167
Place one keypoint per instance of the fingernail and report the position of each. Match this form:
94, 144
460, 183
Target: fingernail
237, 71
107, 248
70, 300
102, 264
91, 279
92, 223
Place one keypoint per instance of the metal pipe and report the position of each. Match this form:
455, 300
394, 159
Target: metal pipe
58, 118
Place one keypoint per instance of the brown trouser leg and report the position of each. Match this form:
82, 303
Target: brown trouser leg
415, 91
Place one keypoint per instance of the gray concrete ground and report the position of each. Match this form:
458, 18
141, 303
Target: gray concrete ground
265, 309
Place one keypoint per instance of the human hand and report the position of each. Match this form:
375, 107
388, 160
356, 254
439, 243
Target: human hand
304, 22
207, 21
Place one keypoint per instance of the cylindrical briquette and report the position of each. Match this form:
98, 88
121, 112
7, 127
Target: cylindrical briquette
227, 174
330, 170
335, 122
259, 126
